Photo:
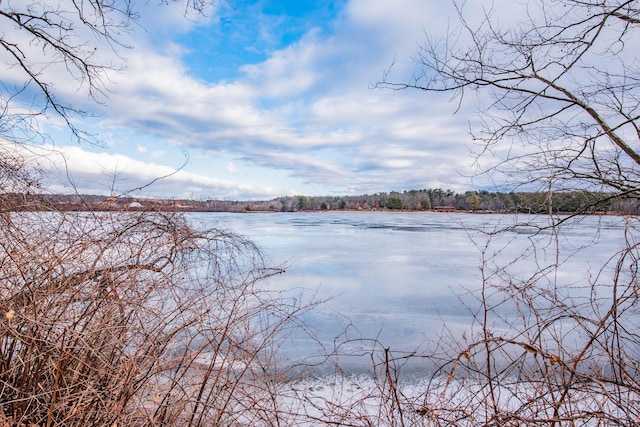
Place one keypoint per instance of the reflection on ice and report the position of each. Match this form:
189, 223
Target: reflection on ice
403, 278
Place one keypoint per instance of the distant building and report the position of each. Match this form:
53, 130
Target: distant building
444, 208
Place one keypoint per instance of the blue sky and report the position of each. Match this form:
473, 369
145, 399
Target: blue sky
270, 98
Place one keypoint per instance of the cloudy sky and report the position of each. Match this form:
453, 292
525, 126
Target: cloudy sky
269, 98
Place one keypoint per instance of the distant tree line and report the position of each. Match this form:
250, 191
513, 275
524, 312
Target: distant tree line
413, 200
476, 201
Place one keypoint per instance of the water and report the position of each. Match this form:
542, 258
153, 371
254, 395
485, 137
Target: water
402, 278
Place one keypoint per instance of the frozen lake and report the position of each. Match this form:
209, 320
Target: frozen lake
401, 277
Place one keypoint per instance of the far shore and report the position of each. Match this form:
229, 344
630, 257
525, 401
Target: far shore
429, 212
375, 204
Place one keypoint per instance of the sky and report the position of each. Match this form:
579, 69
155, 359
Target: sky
260, 99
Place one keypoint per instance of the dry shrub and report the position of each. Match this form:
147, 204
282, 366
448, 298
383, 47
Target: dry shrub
134, 319
547, 348
543, 347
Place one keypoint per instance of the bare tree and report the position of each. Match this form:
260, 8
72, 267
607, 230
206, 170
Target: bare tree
56, 53
559, 101
40, 39
561, 88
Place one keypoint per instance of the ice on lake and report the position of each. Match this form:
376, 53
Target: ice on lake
402, 278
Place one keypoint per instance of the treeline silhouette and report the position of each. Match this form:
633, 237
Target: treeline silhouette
414, 200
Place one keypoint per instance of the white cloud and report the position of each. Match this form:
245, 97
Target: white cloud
73, 169
307, 109
289, 72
